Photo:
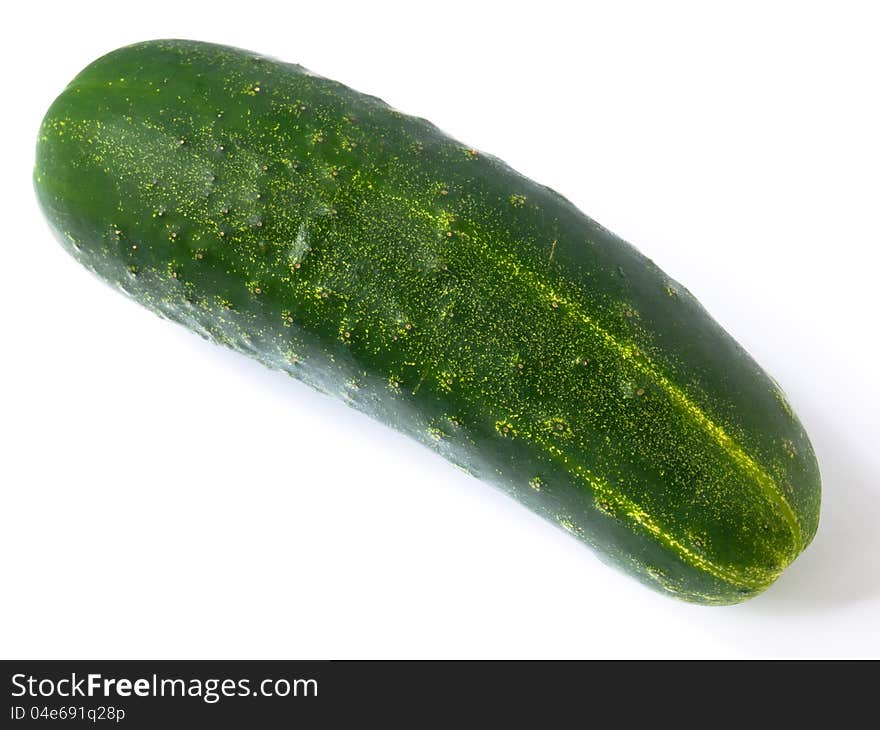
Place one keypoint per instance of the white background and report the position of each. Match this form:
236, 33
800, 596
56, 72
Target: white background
162, 497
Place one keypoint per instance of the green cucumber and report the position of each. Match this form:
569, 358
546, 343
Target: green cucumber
432, 287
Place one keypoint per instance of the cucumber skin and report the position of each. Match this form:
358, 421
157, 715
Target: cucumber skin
429, 285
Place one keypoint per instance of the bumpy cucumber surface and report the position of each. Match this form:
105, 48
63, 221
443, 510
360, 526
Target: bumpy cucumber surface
429, 285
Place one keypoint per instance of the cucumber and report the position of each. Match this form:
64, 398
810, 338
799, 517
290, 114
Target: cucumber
430, 286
